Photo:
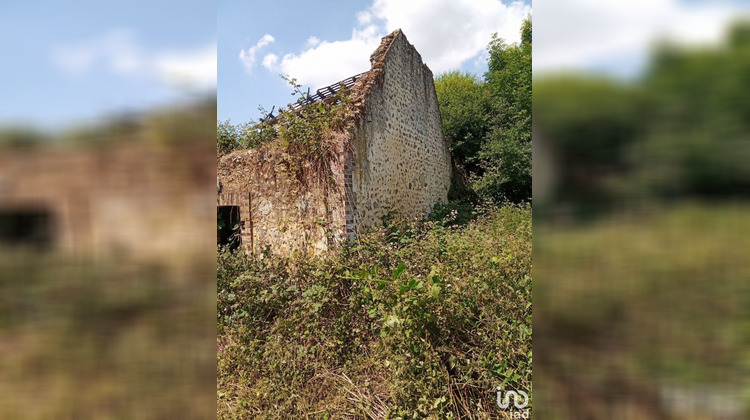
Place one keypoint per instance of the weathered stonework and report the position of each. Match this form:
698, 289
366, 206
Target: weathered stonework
127, 200
277, 210
402, 157
393, 157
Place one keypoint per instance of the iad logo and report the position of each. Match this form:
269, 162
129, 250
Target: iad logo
504, 403
520, 401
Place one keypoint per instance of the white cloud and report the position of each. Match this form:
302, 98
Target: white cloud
115, 50
119, 52
364, 17
586, 33
449, 32
445, 32
248, 56
192, 68
480, 60
313, 41
329, 62
269, 61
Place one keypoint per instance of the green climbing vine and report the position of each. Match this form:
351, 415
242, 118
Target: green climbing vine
306, 133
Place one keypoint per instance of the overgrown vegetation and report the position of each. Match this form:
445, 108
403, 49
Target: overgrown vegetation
103, 339
679, 130
420, 319
489, 123
414, 320
306, 134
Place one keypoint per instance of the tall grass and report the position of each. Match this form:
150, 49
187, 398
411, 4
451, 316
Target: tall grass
103, 340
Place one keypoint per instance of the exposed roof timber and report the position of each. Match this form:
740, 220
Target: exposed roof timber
327, 91
320, 94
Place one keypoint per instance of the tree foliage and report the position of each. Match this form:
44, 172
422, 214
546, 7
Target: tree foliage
306, 133
489, 122
230, 137
678, 130
465, 111
506, 156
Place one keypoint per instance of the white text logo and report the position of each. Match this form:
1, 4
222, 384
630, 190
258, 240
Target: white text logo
505, 402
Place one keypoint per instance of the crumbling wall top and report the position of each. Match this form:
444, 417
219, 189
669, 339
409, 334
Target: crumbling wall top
365, 83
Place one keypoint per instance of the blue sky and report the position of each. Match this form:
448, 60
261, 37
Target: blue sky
617, 37
72, 62
321, 42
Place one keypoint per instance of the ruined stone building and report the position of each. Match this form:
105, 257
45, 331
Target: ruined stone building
118, 200
137, 198
393, 157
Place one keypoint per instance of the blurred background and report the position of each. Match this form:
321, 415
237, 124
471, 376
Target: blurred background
641, 185
641, 181
107, 250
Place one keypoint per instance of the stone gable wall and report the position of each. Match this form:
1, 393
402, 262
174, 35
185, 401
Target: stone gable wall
402, 159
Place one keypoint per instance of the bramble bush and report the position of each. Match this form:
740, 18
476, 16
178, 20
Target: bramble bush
414, 320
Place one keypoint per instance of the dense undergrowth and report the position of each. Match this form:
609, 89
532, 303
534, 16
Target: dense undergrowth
633, 308
420, 320
104, 340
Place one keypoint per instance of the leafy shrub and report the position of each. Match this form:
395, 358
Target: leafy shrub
413, 320
306, 134
453, 214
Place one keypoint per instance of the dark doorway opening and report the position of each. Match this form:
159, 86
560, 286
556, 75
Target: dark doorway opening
228, 226
27, 227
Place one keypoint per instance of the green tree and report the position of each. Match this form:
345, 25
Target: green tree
526, 32
464, 108
489, 122
227, 138
239, 136
505, 155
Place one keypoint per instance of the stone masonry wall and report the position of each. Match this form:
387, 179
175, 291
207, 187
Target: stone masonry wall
130, 200
278, 210
402, 159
